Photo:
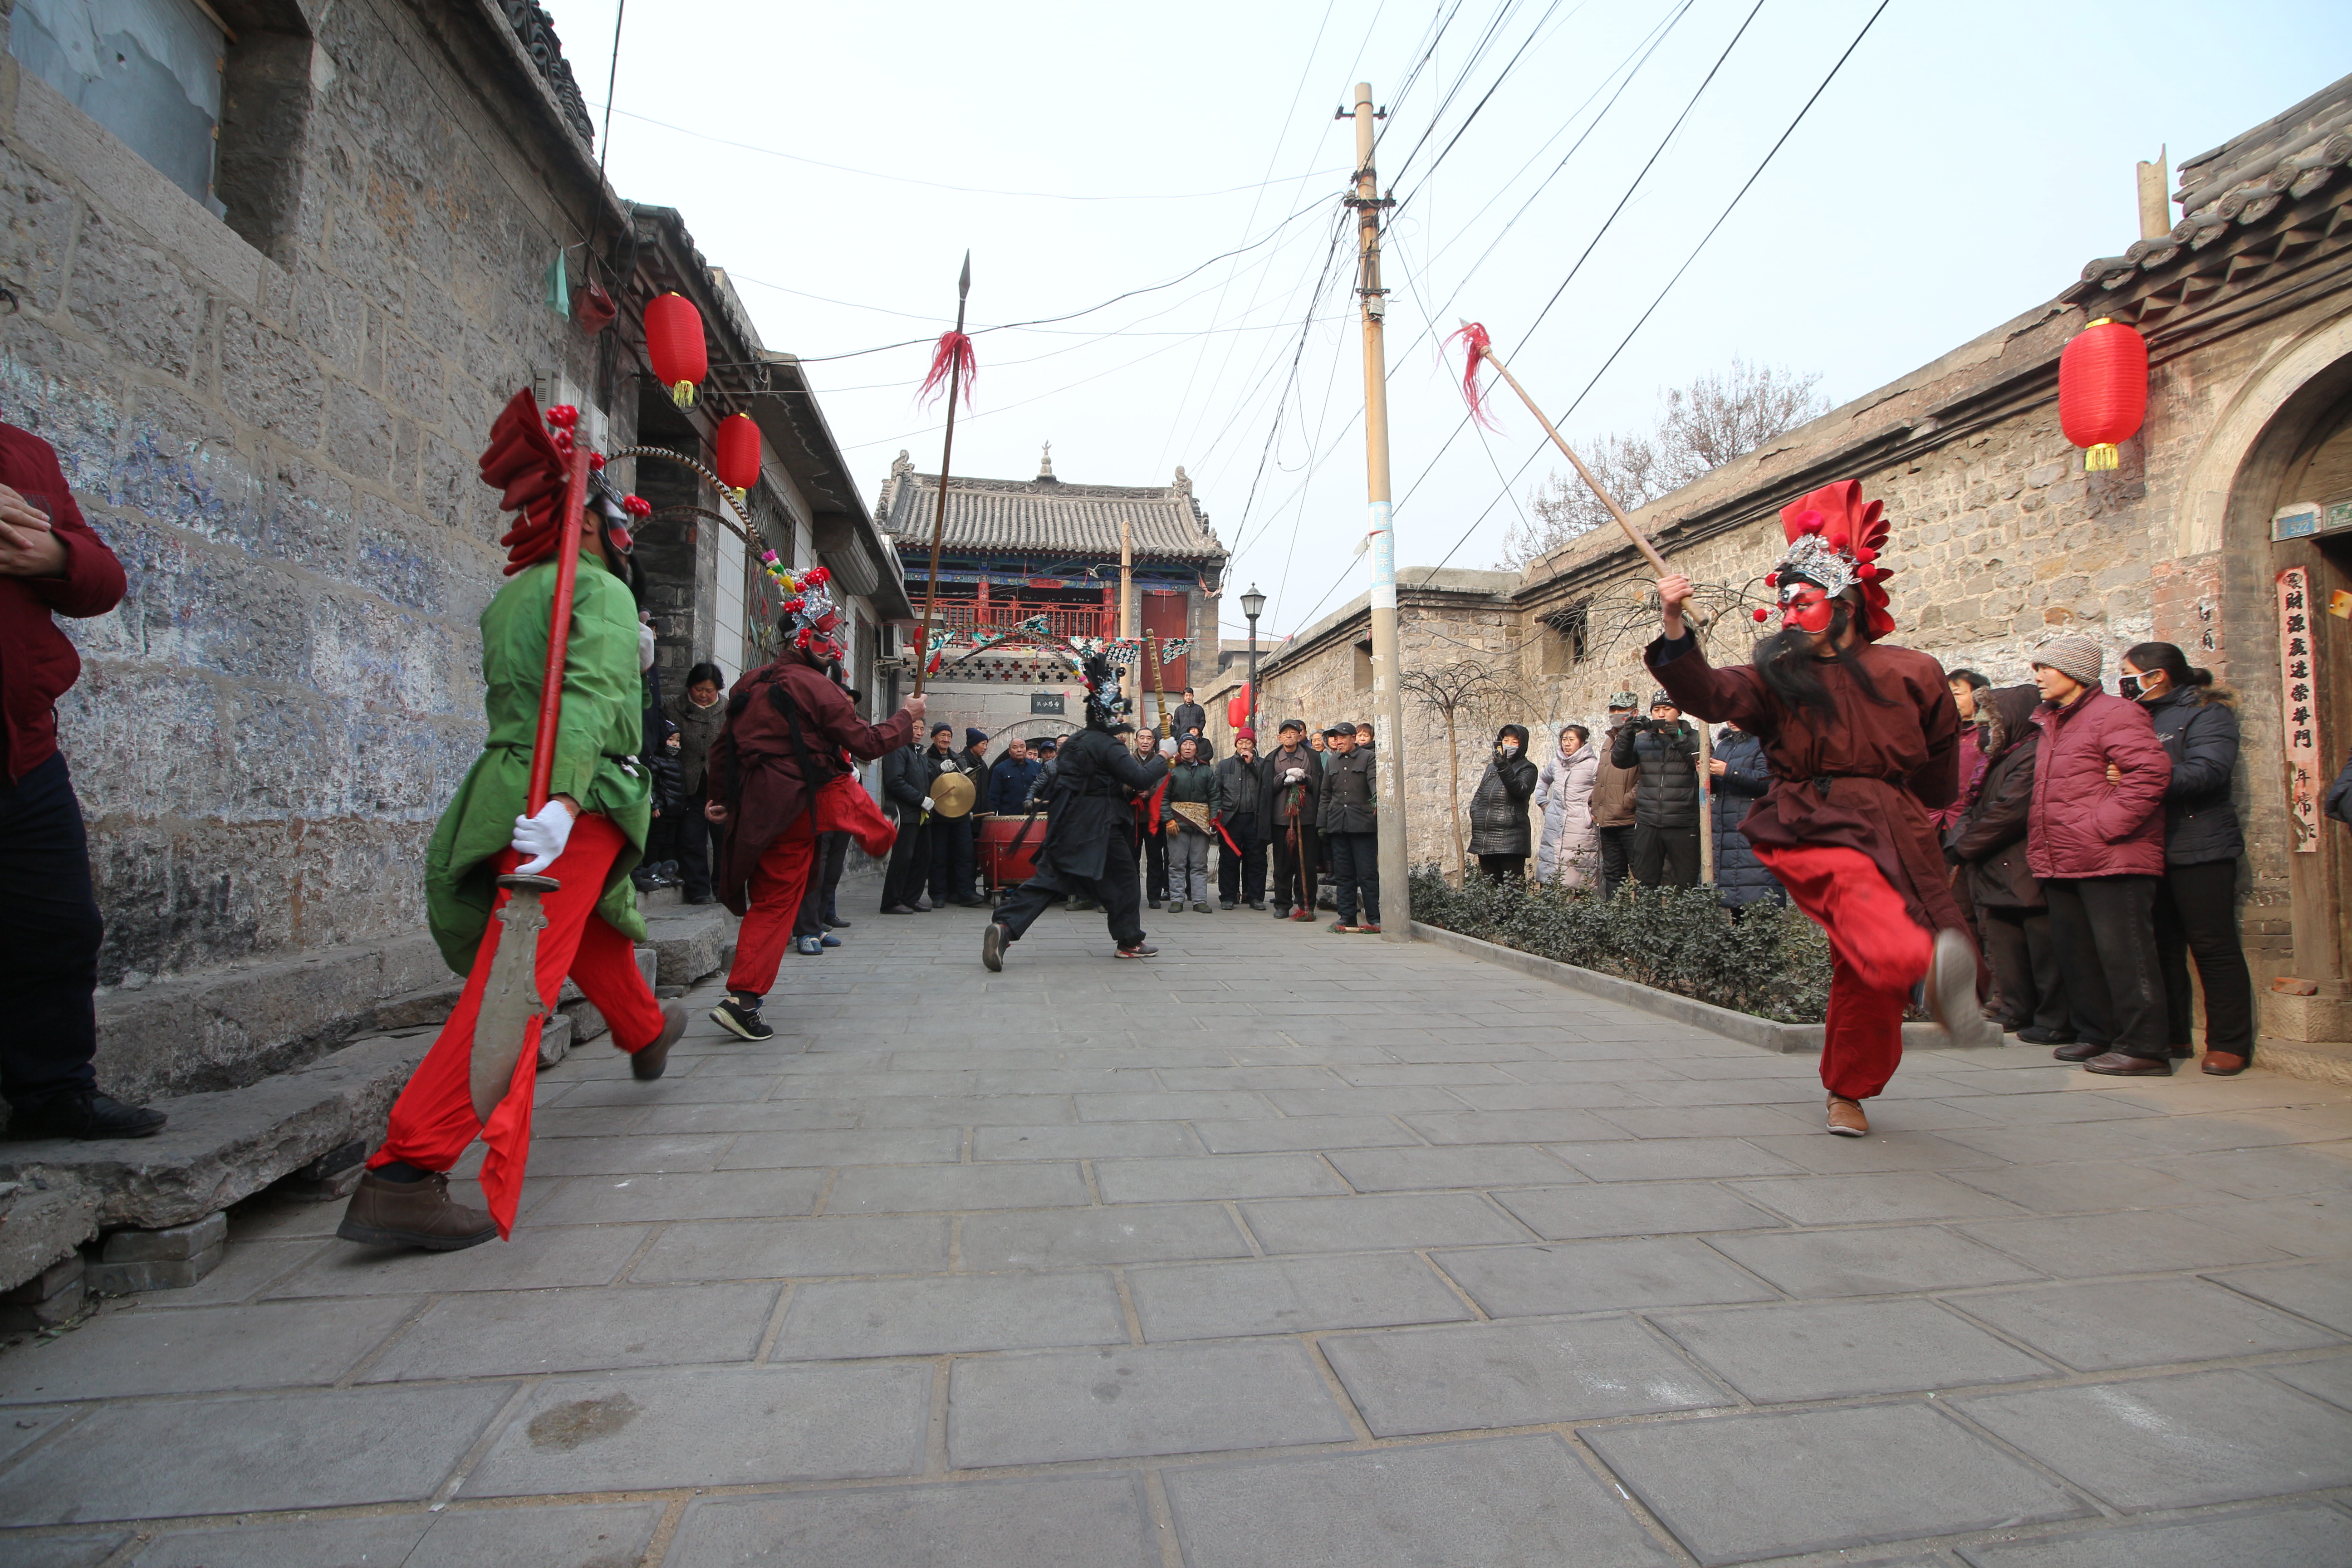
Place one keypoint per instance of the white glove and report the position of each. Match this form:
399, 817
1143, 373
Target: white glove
540, 839
927, 802
644, 646
1294, 775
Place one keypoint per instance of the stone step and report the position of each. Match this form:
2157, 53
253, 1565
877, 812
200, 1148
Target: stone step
691, 941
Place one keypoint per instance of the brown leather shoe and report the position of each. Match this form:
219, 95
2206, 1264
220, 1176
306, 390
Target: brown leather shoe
414, 1214
2079, 1051
2117, 1064
2225, 1064
1846, 1119
648, 1062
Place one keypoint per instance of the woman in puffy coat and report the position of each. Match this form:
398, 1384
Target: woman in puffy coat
2095, 840
1499, 835
1569, 853
1989, 846
2196, 900
1741, 773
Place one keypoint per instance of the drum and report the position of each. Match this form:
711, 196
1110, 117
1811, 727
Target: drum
1007, 849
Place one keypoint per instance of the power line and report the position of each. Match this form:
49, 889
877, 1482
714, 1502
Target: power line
1685, 267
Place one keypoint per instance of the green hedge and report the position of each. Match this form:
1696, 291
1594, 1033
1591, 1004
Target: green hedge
1773, 961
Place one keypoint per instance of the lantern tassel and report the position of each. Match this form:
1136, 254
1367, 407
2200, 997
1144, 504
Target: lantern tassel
1475, 343
951, 358
2100, 457
682, 395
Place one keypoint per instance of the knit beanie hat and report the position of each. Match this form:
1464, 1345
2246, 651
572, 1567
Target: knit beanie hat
2072, 655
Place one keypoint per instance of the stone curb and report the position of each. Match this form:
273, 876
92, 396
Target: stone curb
1763, 1033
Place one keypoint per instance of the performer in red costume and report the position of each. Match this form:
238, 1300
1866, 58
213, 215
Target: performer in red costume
1865, 741
781, 774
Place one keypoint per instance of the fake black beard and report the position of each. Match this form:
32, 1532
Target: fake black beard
1791, 672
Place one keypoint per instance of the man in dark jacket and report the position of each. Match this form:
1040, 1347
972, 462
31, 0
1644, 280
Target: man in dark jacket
1741, 773
1009, 780
1348, 821
1241, 864
1666, 797
1090, 831
1049, 766
1190, 718
907, 775
954, 861
1294, 785
1612, 799
51, 563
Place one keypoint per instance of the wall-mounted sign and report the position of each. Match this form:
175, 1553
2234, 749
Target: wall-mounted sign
2299, 520
1044, 702
2299, 707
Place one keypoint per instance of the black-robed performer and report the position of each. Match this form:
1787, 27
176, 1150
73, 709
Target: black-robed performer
1090, 832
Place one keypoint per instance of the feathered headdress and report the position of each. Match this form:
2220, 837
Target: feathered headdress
528, 462
812, 621
1105, 702
1834, 538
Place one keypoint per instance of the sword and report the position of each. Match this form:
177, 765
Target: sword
510, 997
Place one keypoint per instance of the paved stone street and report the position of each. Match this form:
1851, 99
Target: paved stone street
1283, 1251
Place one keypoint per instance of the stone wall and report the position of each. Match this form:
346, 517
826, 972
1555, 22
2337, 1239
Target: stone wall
280, 448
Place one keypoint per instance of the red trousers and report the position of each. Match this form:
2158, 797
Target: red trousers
1878, 953
433, 1121
778, 884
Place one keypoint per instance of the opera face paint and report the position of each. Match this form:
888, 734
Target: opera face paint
1806, 606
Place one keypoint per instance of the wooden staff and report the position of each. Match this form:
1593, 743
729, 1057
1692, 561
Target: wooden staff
947, 451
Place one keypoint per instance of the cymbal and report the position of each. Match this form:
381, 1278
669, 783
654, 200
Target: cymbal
951, 795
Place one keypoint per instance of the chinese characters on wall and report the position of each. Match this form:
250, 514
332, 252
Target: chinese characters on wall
2299, 688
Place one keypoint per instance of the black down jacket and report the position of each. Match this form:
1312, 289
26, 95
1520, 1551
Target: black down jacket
1667, 756
1741, 878
1499, 810
2199, 733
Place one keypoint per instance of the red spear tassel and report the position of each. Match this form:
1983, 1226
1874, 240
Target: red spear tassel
952, 361
1474, 342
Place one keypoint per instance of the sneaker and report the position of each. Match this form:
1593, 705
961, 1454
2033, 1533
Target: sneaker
1205, 910
385, 1212
1282, 911
1302, 914
1226, 904
1342, 926
1155, 904
808, 947
1846, 1119
924, 906
1951, 984
992, 946
829, 939
1140, 949
1253, 904
738, 1018
1370, 928
899, 910
87, 1118
648, 1062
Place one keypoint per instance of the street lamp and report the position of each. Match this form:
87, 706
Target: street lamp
1252, 606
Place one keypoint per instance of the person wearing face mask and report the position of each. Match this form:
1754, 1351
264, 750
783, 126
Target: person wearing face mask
2196, 899
1499, 835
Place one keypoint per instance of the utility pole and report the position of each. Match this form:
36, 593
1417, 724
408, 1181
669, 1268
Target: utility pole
1388, 697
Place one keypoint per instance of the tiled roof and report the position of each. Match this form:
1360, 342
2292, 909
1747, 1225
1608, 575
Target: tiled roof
536, 28
1045, 516
2267, 196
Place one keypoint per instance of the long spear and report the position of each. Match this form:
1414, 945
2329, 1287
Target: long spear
1475, 340
510, 997
951, 362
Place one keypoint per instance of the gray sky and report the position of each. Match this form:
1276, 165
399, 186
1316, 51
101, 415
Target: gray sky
1959, 169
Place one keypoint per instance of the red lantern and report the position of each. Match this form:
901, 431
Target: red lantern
674, 343
1237, 707
2102, 390
739, 452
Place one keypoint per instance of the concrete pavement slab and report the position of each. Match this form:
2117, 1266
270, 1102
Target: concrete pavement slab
1125, 1233
643, 1152
2330, 1379
1086, 1141
2175, 1442
201, 1350
1464, 1165
1234, 1105
1215, 1177
537, 1258
1507, 1126
1526, 1373
1076, 1521
159, 1459
2141, 1323
911, 1189
503, 1332
1598, 1277
732, 1426
1513, 1502
1887, 1151
1838, 1350
1128, 1402
2076, 1247
1301, 1132
949, 1313
2083, 1188
797, 1248
879, 1146
1878, 1198
1663, 1159
1647, 1208
586, 1534
1377, 1223
1870, 1262
1289, 1295
1738, 1488
2320, 1292
2265, 1172
2317, 1225
717, 1195
81, 1549
2268, 1537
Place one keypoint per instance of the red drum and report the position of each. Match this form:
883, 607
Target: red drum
1004, 862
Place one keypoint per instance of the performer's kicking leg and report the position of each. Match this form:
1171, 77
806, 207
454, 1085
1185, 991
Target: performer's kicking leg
777, 887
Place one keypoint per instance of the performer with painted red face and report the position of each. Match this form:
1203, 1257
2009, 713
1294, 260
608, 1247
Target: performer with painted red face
1864, 739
